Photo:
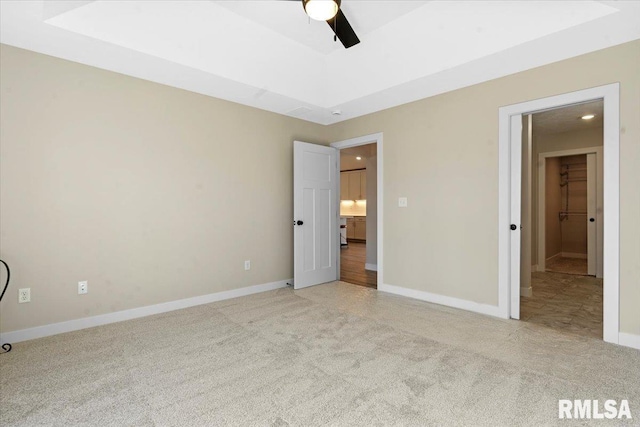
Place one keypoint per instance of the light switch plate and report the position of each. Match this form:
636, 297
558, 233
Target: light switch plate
402, 202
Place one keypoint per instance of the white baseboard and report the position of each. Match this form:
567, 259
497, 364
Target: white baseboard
559, 254
371, 267
526, 292
573, 255
134, 313
629, 340
534, 267
490, 310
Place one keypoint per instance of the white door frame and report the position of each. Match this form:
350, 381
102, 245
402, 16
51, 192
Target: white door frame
542, 164
375, 138
611, 159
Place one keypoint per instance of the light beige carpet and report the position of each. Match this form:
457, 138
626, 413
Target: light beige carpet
335, 354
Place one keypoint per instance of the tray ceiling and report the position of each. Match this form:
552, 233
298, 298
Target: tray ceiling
269, 55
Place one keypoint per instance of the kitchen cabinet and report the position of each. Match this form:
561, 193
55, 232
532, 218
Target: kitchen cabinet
351, 228
353, 185
344, 186
357, 228
360, 232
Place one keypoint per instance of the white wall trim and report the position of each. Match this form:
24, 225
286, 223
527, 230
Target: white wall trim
611, 157
490, 310
371, 267
573, 255
526, 292
629, 340
134, 313
534, 267
559, 254
374, 138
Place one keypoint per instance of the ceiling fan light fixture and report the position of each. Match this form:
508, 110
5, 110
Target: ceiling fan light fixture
321, 10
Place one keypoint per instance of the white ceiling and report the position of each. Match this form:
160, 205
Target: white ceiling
269, 55
567, 119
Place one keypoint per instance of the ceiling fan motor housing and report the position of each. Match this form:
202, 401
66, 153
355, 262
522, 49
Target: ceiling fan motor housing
311, 3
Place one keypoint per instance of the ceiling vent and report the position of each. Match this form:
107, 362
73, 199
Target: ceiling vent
299, 112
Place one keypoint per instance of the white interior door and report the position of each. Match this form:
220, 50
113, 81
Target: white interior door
315, 214
515, 214
591, 214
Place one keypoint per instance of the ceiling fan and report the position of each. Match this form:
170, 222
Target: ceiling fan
329, 11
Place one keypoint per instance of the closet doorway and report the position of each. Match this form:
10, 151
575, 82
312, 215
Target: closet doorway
570, 212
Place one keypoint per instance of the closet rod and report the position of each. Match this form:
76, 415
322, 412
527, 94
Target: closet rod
562, 184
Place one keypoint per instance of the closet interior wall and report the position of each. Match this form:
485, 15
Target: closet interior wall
573, 213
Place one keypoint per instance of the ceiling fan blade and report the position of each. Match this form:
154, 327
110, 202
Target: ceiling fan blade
343, 30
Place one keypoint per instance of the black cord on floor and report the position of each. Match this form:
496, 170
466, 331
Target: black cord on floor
6, 346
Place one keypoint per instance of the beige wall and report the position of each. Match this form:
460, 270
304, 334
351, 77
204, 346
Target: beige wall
144, 190
545, 143
348, 163
442, 153
150, 193
570, 140
552, 205
372, 210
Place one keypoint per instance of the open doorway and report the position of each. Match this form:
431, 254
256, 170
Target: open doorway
358, 215
373, 247
512, 277
563, 149
316, 211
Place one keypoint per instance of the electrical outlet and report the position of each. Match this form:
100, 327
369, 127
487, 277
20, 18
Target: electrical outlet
247, 265
24, 295
402, 202
83, 287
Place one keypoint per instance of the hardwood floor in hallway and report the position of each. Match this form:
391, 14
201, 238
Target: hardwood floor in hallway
352, 260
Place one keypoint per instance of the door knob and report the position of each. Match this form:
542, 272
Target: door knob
592, 220
299, 222
514, 227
